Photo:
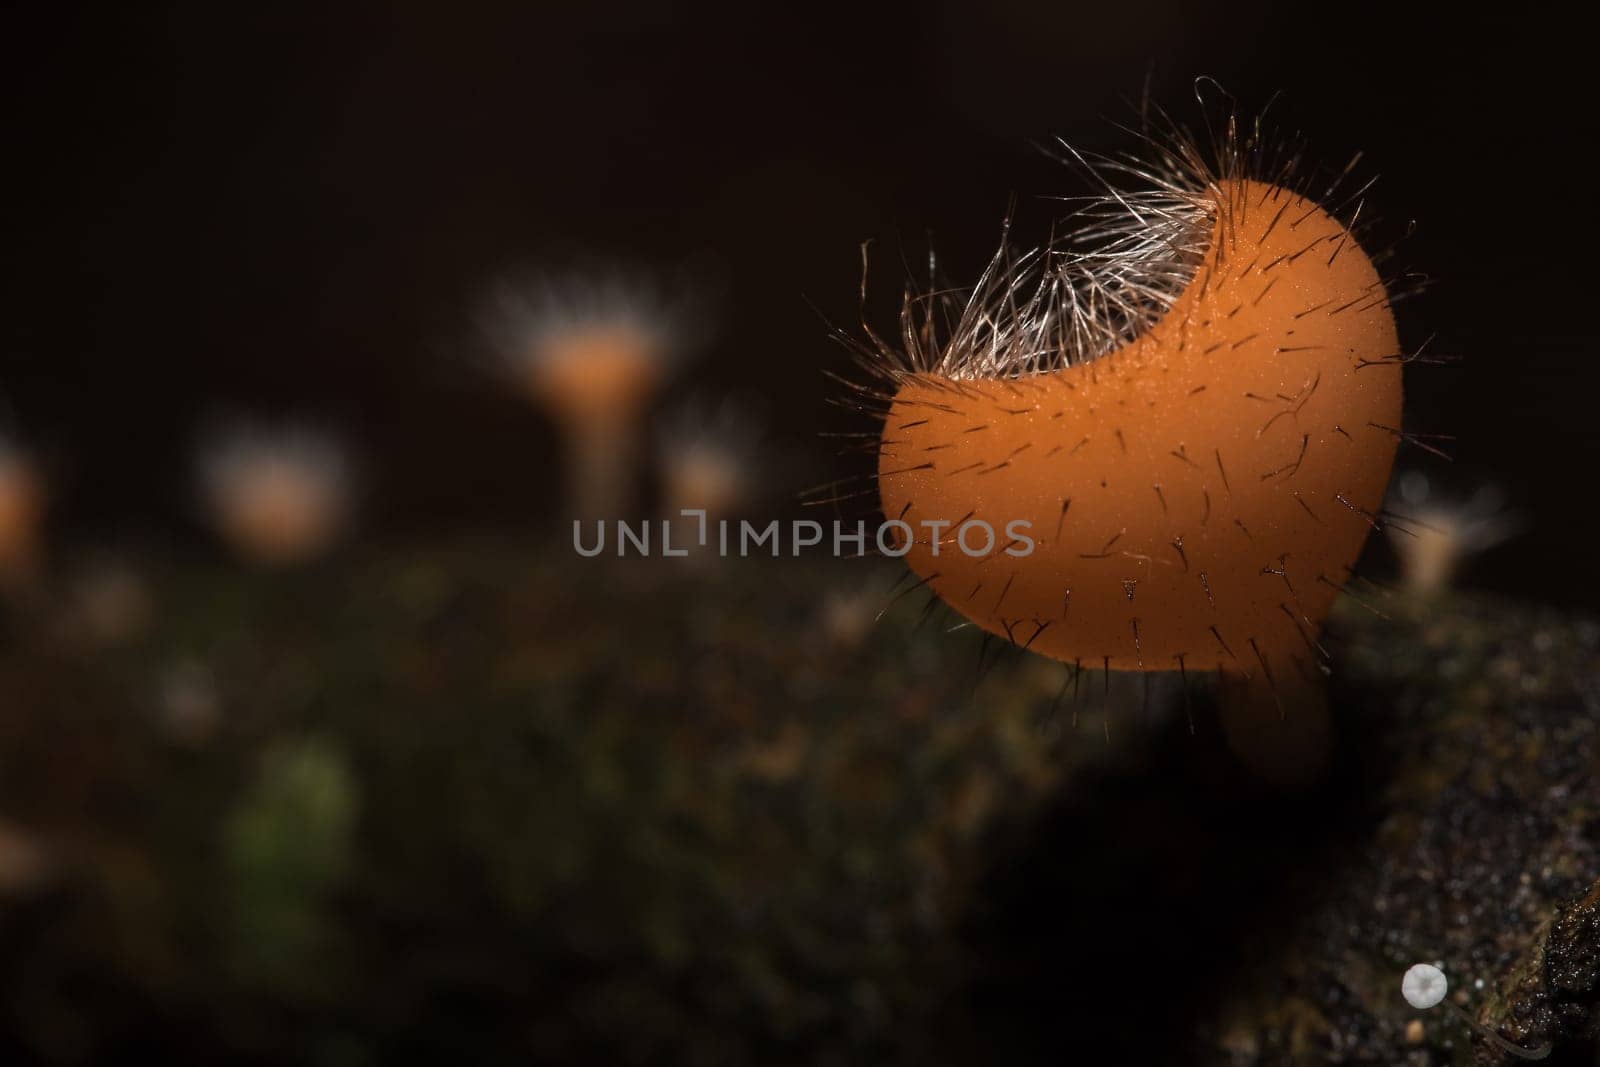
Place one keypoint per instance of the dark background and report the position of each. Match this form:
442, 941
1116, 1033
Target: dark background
293, 208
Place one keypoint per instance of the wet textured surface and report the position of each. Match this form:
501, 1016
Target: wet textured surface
466, 804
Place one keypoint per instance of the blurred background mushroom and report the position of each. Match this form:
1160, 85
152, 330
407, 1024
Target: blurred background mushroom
22, 504
105, 601
26, 863
710, 458
1435, 532
188, 702
593, 353
278, 495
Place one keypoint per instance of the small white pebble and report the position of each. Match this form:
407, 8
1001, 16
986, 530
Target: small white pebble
1424, 985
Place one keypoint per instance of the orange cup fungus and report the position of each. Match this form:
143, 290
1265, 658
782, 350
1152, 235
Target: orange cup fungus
1195, 424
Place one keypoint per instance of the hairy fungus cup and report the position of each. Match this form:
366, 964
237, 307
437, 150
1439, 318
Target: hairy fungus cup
1184, 414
